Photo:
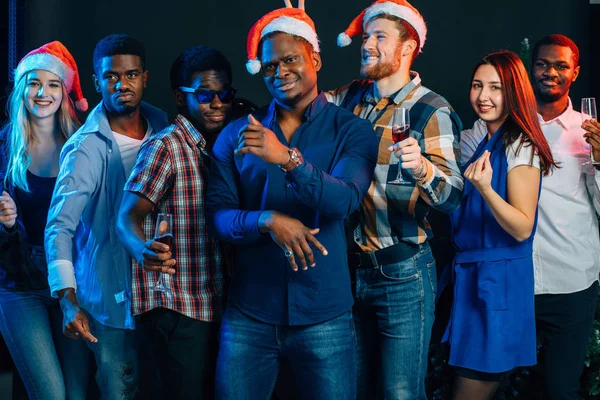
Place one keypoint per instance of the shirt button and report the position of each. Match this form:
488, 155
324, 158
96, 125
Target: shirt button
110, 150
289, 185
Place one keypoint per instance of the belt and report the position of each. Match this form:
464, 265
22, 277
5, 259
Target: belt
396, 253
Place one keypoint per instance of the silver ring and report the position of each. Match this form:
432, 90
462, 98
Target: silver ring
288, 253
76, 333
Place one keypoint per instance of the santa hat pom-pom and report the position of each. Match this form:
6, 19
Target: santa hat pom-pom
343, 39
81, 105
253, 66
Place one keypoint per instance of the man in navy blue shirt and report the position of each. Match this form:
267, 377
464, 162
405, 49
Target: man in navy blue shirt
283, 181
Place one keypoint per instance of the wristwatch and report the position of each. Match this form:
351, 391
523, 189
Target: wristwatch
595, 163
295, 160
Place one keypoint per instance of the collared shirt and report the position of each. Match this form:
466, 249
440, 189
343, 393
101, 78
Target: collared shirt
82, 246
171, 171
566, 248
391, 213
339, 152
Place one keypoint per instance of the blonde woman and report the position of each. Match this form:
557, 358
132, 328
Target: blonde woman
42, 117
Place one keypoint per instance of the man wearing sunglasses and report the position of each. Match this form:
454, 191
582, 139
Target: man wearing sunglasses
207, 107
169, 177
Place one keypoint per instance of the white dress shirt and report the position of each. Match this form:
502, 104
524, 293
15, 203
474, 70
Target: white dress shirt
566, 247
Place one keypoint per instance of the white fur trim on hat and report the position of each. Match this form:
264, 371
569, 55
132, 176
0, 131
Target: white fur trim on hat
402, 12
81, 105
293, 26
343, 40
46, 62
253, 66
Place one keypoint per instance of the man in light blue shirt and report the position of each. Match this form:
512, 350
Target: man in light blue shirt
88, 269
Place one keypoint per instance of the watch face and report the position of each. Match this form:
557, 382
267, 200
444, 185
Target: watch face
296, 156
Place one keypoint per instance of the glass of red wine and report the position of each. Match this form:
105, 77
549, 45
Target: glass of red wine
400, 132
163, 234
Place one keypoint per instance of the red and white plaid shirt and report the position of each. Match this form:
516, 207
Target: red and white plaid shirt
171, 171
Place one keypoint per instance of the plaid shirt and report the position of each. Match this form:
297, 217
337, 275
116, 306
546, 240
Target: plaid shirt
171, 171
391, 213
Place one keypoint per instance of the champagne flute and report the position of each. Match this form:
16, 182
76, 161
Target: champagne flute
588, 111
400, 132
163, 234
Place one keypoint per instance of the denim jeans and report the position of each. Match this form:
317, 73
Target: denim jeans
393, 315
51, 365
322, 357
116, 355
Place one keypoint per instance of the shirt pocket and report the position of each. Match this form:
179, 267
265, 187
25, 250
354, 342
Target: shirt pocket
492, 291
567, 178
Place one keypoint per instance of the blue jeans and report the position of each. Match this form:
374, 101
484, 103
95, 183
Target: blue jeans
116, 355
393, 315
51, 365
322, 357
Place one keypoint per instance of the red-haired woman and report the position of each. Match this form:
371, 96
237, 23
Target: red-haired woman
492, 324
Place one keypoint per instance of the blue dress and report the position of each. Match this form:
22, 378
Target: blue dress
492, 322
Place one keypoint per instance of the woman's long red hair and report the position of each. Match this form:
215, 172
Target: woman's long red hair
520, 104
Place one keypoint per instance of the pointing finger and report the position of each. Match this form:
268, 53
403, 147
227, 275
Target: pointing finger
253, 121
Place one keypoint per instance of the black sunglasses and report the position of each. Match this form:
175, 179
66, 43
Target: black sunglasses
206, 95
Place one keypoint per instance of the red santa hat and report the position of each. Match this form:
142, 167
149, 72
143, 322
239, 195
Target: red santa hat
293, 21
398, 8
54, 57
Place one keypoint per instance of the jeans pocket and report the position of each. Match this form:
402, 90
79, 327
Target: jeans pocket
401, 272
492, 291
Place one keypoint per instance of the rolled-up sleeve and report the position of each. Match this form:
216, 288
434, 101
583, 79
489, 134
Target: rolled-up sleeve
442, 184
76, 182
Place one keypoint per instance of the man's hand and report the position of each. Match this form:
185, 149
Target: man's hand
8, 211
75, 323
408, 152
480, 173
262, 142
592, 136
156, 257
293, 238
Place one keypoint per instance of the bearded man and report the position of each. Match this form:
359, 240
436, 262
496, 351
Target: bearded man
390, 257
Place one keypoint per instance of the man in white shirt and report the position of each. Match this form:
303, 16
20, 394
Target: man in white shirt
567, 243
88, 269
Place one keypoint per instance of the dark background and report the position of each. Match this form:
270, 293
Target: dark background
460, 32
